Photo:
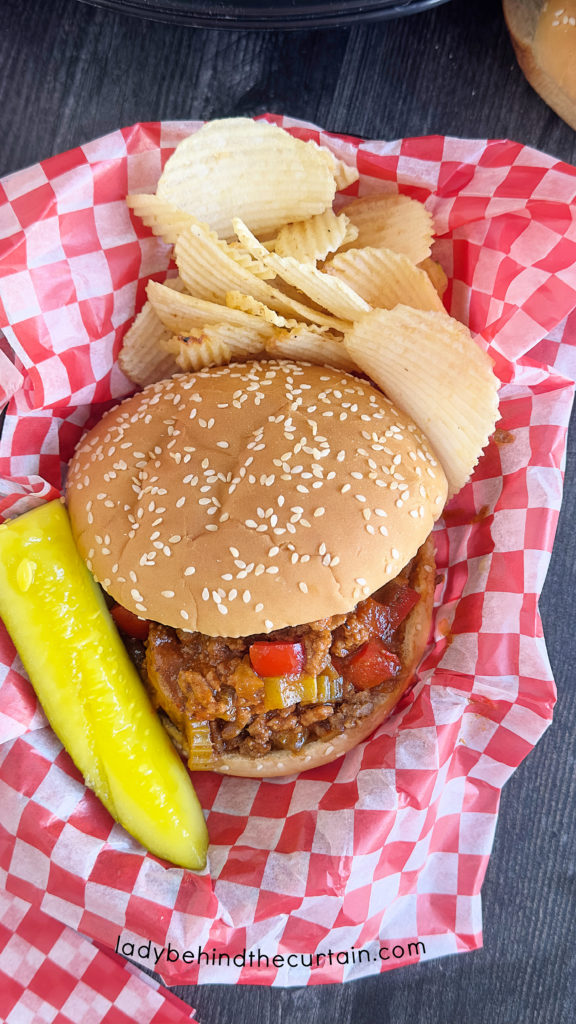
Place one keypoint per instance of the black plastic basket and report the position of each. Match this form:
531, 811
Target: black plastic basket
261, 15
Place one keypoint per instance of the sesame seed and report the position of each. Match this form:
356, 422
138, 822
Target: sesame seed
167, 593
190, 570
302, 586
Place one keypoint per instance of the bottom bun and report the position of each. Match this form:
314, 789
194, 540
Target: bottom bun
416, 631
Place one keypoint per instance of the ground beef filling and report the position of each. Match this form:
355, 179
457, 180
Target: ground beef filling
195, 678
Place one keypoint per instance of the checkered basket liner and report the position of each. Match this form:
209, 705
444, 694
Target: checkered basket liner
48, 972
383, 851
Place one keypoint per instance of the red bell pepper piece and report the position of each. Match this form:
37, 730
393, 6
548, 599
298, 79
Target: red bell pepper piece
370, 665
129, 623
399, 603
277, 658
389, 608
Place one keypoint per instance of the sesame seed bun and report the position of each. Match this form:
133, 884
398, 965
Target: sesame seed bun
246, 498
415, 633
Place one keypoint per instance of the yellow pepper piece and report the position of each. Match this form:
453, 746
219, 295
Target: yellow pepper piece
330, 686
91, 691
281, 692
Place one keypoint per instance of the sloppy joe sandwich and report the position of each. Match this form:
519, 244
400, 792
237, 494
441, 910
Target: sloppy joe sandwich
262, 530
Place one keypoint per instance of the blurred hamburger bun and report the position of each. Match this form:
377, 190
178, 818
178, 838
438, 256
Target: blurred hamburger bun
543, 33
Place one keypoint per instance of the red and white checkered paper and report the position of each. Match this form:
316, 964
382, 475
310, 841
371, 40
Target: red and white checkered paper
50, 973
390, 844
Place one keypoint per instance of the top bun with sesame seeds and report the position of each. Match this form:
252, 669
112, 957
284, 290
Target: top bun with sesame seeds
248, 498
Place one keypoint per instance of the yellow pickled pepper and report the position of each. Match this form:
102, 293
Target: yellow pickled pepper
90, 690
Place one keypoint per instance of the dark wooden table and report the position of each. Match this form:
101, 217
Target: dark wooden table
71, 72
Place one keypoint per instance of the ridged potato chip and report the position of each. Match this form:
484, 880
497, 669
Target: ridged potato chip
195, 352
243, 342
248, 304
431, 368
256, 267
165, 220
211, 269
184, 314
384, 278
436, 273
236, 167
144, 357
389, 221
314, 239
344, 174
215, 345
312, 346
331, 294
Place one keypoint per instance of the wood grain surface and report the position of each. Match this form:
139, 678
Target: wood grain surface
71, 72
